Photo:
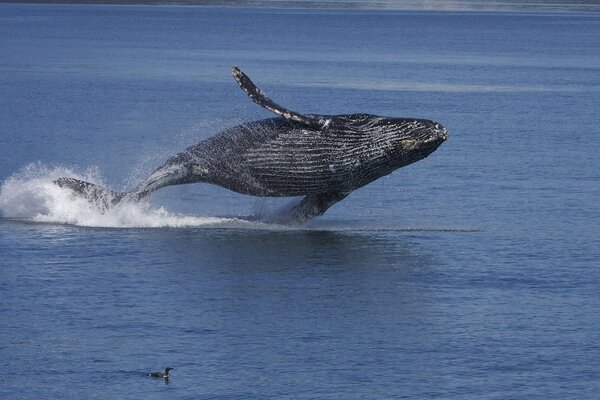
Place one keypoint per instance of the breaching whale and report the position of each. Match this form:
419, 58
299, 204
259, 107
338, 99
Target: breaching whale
320, 157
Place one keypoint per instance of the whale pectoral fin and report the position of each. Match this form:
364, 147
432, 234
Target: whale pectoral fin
312, 206
314, 122
104, 198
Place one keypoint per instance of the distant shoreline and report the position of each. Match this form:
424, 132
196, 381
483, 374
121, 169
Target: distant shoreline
456, 5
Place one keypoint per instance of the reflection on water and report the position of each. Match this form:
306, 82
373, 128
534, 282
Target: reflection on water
288, 248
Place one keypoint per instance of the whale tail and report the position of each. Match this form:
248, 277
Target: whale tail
102, 197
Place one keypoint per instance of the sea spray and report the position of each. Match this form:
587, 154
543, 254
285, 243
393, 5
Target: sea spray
31, 195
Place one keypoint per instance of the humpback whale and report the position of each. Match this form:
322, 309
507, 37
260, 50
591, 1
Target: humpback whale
320, 157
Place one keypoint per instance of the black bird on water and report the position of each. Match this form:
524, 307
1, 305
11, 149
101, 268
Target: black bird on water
164, 375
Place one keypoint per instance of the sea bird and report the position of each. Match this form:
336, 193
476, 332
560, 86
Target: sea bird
158, 374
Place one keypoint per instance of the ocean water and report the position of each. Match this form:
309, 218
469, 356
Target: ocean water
473, 274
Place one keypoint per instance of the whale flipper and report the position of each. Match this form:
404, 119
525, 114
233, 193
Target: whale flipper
104, 198
312, 205
259, 98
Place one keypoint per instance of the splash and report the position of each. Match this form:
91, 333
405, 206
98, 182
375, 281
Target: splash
31, 195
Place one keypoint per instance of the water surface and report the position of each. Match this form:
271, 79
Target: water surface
471, 274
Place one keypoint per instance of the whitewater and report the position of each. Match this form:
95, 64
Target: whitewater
31, 195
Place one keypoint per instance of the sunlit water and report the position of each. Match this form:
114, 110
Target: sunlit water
470, 274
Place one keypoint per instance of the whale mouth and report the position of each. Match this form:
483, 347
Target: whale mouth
438, 133
427, 142
436, 137
433, 137
443, 133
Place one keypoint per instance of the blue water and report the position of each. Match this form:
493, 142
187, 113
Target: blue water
473, 274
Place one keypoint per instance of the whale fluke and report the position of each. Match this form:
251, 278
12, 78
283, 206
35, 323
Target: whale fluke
104, 198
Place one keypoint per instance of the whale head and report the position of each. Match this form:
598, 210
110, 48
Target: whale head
417, 138
392, 143
406, 141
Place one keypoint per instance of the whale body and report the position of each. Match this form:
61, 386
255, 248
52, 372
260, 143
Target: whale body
321, 157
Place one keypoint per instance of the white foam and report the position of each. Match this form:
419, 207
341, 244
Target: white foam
31, 195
